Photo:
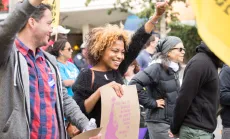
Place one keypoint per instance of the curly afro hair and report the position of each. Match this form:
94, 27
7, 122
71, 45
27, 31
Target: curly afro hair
98, 39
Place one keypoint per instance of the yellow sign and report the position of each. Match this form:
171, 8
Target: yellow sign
213, 21
55, 11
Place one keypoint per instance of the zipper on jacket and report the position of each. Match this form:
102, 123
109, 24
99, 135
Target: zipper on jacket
23, 90
176, 77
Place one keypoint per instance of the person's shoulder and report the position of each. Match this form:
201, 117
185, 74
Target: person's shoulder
50, 57
84, 78
155, 64
153, 68
143, 52
199, 62
70, 64
85, 72
60, 65
225, 68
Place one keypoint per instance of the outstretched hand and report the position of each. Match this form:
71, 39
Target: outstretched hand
161, 7
117, 88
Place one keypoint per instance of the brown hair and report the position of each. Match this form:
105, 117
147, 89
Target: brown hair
38, 13
151, 39
98, 39
137, 67
57, 46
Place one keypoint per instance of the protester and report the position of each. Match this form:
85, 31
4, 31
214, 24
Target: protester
32, 102
80, 59
145, 56
225, 100
194, 115
161, 79
110, 55
62, 50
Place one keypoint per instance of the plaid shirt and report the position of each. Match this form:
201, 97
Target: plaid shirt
42, 94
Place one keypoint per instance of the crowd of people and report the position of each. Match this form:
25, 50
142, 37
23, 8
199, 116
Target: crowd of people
44, 93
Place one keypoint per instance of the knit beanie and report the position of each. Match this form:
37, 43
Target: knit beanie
167, 43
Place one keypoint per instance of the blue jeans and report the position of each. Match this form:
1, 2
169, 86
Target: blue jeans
190, 133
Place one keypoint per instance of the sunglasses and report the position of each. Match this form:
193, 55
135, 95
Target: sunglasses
180, 49
69, 49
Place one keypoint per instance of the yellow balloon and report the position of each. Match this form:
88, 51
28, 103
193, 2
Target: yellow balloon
213, 22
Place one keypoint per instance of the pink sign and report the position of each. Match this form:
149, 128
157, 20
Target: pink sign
120, 116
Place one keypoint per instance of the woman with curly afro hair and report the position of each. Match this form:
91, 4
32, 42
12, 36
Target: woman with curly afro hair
110, 54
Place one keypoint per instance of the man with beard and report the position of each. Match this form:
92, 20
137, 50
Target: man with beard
32, 99
197, 103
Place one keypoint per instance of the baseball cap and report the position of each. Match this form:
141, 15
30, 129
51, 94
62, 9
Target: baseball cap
83, 45
60, 29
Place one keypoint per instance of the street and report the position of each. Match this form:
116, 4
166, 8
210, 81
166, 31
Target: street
217, 132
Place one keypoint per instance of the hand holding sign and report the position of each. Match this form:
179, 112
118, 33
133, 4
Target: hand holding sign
120, 116
116, 86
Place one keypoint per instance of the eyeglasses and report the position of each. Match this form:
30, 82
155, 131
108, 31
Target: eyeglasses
180, 49
69, 49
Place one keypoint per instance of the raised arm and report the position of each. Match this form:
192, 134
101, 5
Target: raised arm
141, 36
12, 25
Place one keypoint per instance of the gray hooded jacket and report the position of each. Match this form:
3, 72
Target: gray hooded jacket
14, 83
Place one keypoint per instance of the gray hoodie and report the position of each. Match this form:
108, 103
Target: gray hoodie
14, 83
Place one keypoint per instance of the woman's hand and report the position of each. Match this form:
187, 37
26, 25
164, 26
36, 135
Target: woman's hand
160, 103
117, 88
171, 135
161, 7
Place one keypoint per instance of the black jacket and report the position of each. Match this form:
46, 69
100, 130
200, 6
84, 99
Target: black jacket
225, 95
160, 84
198, 101
82, 87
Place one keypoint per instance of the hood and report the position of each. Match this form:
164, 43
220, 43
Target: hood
203, 48
225, 65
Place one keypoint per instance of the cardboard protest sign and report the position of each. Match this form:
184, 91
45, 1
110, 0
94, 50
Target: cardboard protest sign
120, 117
88, 134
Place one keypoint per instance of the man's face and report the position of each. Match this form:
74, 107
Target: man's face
42, 29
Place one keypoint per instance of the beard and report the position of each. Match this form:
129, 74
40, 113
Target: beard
41, 42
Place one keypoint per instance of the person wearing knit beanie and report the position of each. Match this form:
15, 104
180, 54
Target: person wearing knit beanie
158, 86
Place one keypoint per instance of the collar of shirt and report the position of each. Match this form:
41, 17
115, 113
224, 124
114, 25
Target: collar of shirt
26, 51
